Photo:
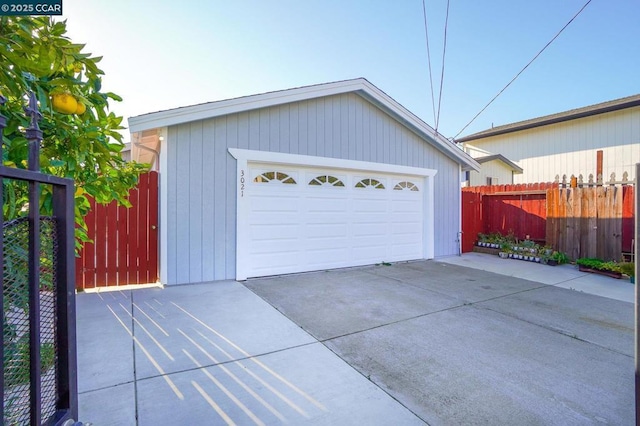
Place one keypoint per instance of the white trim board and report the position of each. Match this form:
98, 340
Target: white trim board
244, 157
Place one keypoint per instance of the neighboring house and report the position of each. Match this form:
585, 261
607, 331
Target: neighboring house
562, 144
125, 153
496, 170
312, 178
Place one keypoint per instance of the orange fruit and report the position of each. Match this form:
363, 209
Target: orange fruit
64, 103
80, 109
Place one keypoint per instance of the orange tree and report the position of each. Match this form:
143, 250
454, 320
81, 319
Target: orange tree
81, 135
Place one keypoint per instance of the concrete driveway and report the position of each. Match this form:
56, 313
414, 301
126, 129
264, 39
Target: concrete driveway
461, 346
423, 342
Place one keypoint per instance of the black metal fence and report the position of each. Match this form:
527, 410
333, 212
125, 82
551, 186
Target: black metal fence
39, 380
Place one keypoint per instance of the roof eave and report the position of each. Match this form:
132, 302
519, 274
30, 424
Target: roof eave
499, 157
553, 119
359, 86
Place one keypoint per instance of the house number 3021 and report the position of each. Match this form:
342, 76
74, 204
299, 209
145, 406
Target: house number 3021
242, 183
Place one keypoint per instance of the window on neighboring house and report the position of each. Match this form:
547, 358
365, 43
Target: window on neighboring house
467, 176
492, 180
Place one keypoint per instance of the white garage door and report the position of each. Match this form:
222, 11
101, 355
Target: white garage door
313, 218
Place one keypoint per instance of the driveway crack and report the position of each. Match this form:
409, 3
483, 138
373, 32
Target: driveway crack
555, 330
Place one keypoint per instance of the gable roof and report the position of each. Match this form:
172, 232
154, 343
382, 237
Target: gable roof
499, 157
601, 108
359, 86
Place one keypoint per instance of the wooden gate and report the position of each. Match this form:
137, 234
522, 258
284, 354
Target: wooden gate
125, 240
518, 209
588, 221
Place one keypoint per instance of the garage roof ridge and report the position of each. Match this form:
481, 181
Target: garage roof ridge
360, 86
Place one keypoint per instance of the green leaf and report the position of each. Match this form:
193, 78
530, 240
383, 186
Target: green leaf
114, 96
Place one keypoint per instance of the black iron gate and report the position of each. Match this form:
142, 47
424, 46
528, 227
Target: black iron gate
39, 380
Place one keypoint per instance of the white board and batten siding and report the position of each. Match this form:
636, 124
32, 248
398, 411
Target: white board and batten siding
569, 147
201, 175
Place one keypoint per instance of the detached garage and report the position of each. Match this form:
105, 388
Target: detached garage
312, 178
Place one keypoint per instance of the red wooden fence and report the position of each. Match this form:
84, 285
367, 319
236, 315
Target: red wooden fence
519, 209
522, 210
125, 240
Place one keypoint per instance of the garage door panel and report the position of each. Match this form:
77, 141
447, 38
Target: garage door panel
369, 229
403, 205
329, 220
326, 257
326, 244
370, 205
301, 227
264, 259
272, 205
413, 219
326, 205
406, 228
274, 219
287, 246
367, 220
326, 230
406, 239
401, 251
370, 254
274, 232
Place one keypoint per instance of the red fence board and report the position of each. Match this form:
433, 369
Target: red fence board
143, 228
123, 248
522, 209
132, 237
112, 244
88, 255
152, 266
125, 240
471, 219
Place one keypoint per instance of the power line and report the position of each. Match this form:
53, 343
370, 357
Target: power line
522, 70
444, 50
426, 34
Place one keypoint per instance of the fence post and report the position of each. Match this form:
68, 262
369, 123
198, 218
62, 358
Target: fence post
637, 307
3, 124
34, 137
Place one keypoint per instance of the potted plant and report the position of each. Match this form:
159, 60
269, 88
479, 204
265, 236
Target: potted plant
537, 256
629, 269
505, 249
557, 258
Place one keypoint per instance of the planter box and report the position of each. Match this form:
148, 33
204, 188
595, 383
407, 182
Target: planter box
611, 274
486, 250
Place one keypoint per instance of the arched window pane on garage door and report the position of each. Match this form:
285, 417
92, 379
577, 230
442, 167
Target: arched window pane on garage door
267, 177
326, 180
373, 183
406, 186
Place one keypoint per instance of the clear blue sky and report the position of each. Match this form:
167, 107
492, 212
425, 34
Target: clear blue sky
166, 54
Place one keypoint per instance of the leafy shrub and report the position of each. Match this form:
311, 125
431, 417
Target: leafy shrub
16, 361
628, 268
599, 264
559, 257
